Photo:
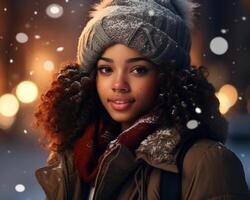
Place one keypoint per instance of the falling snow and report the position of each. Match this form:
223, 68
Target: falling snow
198, 110
20, 188
224, 31
37, 37
27, 26
183, 104
242, 155
22, 37
48, 65
219, 45
244, 18
151, 12
59, 49
192, 124
54, 10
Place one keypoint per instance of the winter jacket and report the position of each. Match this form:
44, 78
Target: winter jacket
210, 171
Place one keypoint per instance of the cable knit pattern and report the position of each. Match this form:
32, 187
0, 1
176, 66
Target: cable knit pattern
158, 29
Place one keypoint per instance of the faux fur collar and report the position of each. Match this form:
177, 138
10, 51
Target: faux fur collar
159, 146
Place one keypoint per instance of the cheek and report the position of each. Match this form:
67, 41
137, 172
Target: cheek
100, 87
147, 90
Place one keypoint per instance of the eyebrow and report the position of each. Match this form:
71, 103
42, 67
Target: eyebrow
130, 60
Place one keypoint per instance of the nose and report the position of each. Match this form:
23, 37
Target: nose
120, 84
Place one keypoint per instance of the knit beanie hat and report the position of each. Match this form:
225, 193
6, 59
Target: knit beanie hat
157, 29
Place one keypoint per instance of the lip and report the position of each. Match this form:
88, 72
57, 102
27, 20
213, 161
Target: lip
121, 104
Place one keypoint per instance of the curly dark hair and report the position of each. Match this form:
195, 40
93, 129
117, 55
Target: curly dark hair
72, 102
187, 95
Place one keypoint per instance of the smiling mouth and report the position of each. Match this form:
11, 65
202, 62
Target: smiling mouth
121, 104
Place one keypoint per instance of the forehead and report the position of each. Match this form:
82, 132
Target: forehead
120, 53
121, 50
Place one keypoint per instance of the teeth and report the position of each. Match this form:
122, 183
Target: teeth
120, 102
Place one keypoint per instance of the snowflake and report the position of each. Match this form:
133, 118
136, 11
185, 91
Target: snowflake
244, 18
59, 49
20, 188
219, 45
198, 110
22, 37
192, 124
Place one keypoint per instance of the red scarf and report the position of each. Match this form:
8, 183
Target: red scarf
89, 149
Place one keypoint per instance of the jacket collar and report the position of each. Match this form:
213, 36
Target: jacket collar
159, 149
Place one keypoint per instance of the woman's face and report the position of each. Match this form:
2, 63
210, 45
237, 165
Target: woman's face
127, 84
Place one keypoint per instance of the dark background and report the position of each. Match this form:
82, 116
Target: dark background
20, 153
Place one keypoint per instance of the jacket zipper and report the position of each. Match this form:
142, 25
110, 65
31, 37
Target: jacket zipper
101, 169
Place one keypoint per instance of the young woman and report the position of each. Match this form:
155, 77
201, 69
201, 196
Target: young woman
132, 119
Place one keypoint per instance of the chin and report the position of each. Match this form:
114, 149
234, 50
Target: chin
122, 118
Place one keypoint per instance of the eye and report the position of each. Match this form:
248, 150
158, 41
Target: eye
104, 69
140, 70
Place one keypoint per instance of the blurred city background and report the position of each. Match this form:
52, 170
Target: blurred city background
36, 37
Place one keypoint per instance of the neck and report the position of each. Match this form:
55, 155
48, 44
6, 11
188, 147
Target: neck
126, 125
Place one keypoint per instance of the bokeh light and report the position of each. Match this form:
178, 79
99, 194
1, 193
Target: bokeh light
219, 45
244, 18
54, 10
6, 122
27, 91
227, 96
9, 105
231, 92
59, 49
48, 65
224, 102
151, 12
192, 124
22, 37
20, 188
224, 31
37, 37
198, 110
219, 74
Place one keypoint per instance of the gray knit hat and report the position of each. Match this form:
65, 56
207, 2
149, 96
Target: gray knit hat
158, 29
